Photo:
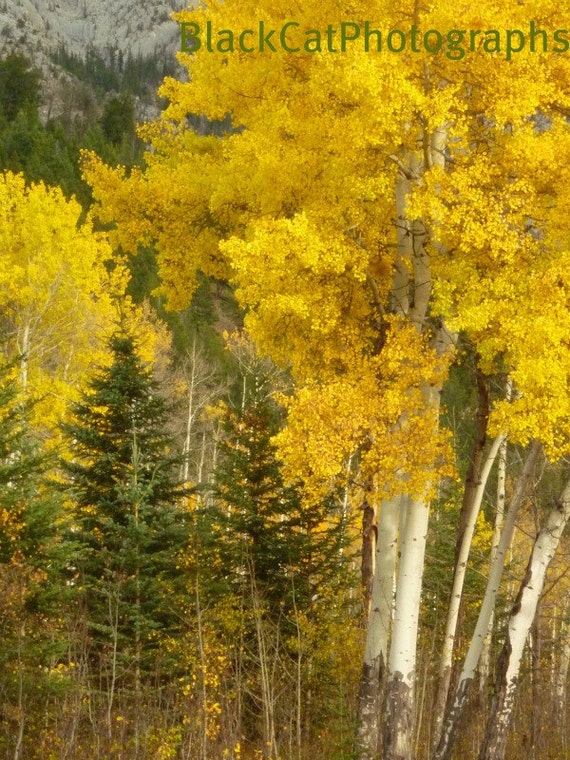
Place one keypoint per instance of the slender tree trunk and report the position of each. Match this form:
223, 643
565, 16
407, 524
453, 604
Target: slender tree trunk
471, 510
472, 498
298, 683
485, 660
561, 679
138, 600
378, 631
204, 712
520, 622
266, 672
410, 298
467, 676
537, 707
400, 690
21, 712
369, 533
113, 601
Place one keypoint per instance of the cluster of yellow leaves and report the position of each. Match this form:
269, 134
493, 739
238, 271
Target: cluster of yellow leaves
511, 294
304, 292
62, 292
297, 207
376, 407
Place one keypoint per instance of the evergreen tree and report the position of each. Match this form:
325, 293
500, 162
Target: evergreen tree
270, 534
19, 86
279, 565
118, 119
128, 526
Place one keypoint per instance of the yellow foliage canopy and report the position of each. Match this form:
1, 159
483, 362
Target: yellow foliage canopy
60, 289
369, 206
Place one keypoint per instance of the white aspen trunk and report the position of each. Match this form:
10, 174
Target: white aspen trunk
368, 559
298, 686
401, 683
345, 507
385, 568
138, 597
400, 283
400, 690
485, 660
21, 706
267, 675
520, 622
189, 417
400, 696
410, 297
378, 631
200, 471
204, 712
561, 682
446, 661
114, 622
451, 722
375, 656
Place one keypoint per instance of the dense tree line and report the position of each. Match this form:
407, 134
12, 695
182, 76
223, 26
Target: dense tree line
360, 554
50, 151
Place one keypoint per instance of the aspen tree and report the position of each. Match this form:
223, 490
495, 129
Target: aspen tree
368, 207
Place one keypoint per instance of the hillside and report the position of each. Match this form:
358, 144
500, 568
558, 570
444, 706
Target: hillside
138, 27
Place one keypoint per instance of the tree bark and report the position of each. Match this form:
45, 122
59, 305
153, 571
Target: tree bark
561, 679
467, 676
485, 659
471, 507
520, 622
400, 691
411, 293
378, 632
369, 533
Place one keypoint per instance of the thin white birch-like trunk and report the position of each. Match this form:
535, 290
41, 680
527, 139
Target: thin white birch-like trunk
378, 631
412, 299
485, 661
467, 676
189, 417
520, 623
400, 690
204, 712
267, 675
561, 678
401, 682
113, 601
456, 595
409, 299
21, 700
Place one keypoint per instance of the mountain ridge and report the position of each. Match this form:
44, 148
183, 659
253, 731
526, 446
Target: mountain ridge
139, 27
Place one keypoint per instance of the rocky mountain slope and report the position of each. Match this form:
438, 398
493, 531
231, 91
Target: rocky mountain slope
56, 35
139, 27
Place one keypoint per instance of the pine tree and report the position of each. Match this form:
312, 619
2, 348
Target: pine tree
128, 526
19, 86
273, 536
278, 562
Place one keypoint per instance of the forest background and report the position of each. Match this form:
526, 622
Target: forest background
284, 402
